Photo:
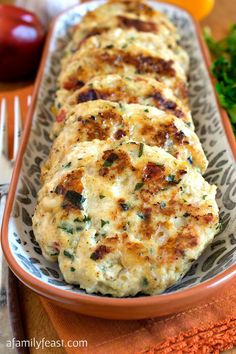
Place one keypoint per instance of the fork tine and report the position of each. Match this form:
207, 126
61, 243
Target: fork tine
3, 129
17, 126
28, 100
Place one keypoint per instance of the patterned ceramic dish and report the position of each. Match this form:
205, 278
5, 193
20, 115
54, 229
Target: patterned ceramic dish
214, 268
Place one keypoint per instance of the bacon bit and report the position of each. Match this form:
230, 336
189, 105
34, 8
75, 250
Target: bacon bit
152, 171
103, 171
89, 95
182, 172
100, 252
179, 113
139, 25
73, 84
61, 116
60, 189
168, 105
208, 217
161, 136
56, 246
119, 134
179, 136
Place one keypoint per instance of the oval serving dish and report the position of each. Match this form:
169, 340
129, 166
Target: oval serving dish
209, 273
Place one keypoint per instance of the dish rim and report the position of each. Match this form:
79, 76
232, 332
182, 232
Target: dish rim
63, 295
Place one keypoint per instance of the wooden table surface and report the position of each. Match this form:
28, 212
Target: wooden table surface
35, 321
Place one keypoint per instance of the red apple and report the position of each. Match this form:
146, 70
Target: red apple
21, 41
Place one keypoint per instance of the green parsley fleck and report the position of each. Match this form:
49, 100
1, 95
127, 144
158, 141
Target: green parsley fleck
103, 222
170, 178
77, 220
146, 110
86, 218
54, 254
140, 150
67, 165
94, 256
79, 228
223, 69
72, 269
162, 205
141, 216
145, 282
204, 196
124, 206
108, 163
74, 198
66, 227
138, 186
101, 196
190, 160
69, 255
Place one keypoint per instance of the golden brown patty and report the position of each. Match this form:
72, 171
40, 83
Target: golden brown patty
137, 16
126, 21
131, 40
103, 119
120, 221
126, 53
130, 9
128, 89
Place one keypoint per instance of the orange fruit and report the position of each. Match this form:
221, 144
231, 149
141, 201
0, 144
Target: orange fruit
198, 8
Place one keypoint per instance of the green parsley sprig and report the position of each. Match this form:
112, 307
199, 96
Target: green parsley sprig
224, 70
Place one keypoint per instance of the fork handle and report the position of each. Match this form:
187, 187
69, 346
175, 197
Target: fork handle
6, 333
3, 266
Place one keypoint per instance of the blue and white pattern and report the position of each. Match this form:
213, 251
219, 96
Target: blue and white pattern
221, 254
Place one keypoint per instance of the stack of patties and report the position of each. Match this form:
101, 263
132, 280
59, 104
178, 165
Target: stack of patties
123, 207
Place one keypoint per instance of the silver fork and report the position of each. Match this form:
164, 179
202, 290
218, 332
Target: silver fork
6, 168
